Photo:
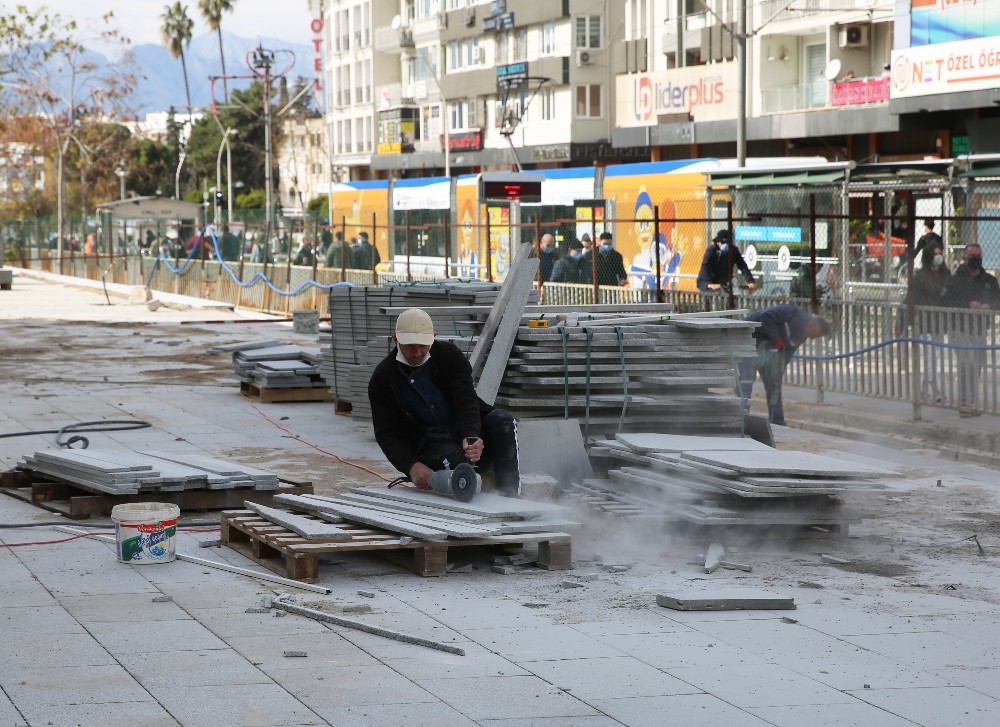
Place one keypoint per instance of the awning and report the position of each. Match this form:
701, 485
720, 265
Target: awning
978, 172
776, 180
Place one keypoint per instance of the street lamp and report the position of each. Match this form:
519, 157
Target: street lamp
224, 144
120, 172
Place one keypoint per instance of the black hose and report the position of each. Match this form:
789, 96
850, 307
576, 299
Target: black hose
102, 425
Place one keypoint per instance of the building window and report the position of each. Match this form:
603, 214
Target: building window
548, 47
588, 31
461, 114
547, 103
588, 101
426, 60
520, 44
503, 44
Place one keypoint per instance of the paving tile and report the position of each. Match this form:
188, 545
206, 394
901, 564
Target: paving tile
679, 649
192, 668
226, 622
139, 607
864, 668
342, 686
608, 678
38, 619
421, 663
238, 705
931, 650
9, 714
323, 651
774, 639
49, 651
680, 710
759, 685
487, 613
181, 635
120, 714
420, 714
244, 594
857, 714
624, 622
591, 721
836, 620
936, 707
74, 685
541, 642
983, 679
506, 697
26, 593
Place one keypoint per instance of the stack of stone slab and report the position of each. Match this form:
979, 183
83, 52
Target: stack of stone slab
676, 376
356, 320
432, 516
726, 481
129, 473
278, 367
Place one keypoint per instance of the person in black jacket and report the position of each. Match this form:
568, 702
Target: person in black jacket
570, 269
972, 289
714, 273
925, 292
610, 266
929, 238
426, 411
782, 329
363, 255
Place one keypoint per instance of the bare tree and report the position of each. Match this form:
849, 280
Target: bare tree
50, 73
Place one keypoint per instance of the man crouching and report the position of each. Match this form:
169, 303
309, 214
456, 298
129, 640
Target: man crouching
426, 412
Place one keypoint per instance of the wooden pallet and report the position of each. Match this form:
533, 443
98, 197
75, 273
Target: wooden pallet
291, 556
342, 407
273, 396
76, 502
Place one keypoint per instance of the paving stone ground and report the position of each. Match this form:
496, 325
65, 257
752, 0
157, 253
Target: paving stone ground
905, 635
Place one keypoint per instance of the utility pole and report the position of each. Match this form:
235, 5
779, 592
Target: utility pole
263, 60
741, 85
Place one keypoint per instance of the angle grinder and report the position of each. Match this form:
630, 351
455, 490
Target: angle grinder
461, 482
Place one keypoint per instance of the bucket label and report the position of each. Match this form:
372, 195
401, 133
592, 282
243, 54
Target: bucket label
153, 541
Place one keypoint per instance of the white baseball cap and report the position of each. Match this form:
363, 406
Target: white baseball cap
414, 326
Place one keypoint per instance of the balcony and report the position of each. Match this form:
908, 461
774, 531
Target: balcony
393, 40
799, 97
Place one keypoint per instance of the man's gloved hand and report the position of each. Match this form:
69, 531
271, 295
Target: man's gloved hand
779, 345
420, 475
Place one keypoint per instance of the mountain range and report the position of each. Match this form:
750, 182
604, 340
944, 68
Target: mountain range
161, 82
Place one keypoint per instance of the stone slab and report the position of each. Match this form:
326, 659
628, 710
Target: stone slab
553, 447
306, 527
485, 503
694, 708
788, 463
510, 697
652, 442
726, 600
591, 679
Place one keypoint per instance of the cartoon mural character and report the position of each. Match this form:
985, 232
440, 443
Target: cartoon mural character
643, 268
467, 241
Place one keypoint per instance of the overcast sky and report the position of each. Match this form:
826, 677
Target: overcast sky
139, 20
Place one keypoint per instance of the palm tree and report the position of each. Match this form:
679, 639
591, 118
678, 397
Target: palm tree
176, 33
212, 11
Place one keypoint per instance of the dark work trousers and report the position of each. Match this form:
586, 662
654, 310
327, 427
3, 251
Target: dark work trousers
770, 364
499, 432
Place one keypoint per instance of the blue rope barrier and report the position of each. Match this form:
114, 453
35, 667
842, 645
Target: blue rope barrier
232, 274
893, 341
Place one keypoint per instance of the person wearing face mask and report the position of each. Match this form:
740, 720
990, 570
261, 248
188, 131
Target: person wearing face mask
607, 263
570, 269
547, 257
925, 292
715, 271
972, 289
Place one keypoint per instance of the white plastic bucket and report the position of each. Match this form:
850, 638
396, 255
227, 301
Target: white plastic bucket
146, 532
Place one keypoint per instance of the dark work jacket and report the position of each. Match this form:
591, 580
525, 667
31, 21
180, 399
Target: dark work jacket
610, 267
715, 267
925, 291
782, 327
961, 289
399, 430
568, 270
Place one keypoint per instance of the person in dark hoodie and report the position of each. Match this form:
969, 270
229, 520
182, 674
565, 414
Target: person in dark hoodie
714, 273
925, 292
570, 269
426, 412
973, 290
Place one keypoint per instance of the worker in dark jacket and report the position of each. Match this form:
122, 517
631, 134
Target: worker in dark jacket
973, 290
570, 269
609, 265
426, 412
782, 329
715, 271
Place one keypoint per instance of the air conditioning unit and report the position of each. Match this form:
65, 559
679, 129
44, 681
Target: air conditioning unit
469, 16
479, 55
853, 36
585, 57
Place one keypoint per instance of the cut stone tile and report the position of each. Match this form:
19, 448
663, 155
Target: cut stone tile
668, 650
936, 707
330, 650
594, 721
249, 705
192, 668
186, 635
789, 463
930, 650
732, 599
652, 442
226, 622
703, 710
820, 715
607, 678
38, 619
94, 609
431, 664
421, 714
115, 714
746, 685
50, 651
499, 697
336, 687
74, 685
986, 681
538, 643
8, 714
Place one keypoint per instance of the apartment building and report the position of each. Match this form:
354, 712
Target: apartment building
303, 161
822, 77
